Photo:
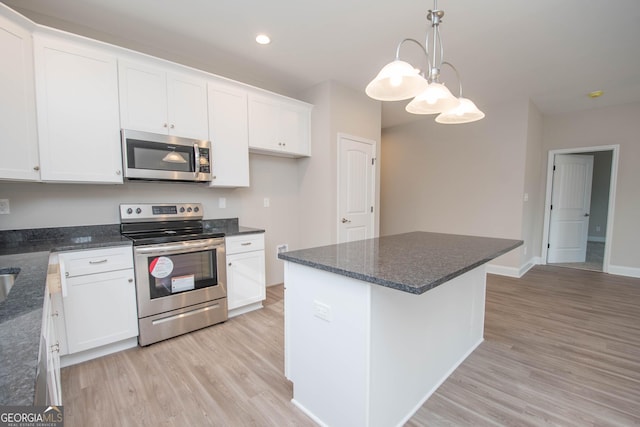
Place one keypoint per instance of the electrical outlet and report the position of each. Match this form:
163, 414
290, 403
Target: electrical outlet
267, 202
222, 202
284, 247
322, 310
526, 197
4, 207
597, 228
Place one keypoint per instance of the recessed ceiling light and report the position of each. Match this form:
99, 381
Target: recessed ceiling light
596, 94
263, 39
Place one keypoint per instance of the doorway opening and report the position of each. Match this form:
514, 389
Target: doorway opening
579, 207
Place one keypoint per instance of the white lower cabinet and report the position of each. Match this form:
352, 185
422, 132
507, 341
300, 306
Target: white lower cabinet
48, 390
246, 283
99, 297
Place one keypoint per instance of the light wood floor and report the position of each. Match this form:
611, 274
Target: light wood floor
562, 348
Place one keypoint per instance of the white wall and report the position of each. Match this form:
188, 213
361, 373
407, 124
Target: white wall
461, 179
533, 209
337, 109
609, 126
37, 205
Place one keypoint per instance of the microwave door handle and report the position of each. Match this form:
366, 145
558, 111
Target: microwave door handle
196, 159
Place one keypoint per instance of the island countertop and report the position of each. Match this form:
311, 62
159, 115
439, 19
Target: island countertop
411, 262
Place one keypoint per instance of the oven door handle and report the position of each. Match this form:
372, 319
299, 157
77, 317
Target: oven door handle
180, 248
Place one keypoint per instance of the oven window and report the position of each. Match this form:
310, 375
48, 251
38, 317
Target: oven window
173, 274
157, 156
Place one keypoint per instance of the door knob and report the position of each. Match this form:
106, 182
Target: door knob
345, 220
586, 214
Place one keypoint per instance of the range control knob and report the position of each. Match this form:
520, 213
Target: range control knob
182, 209
196, 209
189, 209
129, 211
138, 210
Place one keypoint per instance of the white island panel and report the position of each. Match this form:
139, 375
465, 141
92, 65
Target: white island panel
382, 352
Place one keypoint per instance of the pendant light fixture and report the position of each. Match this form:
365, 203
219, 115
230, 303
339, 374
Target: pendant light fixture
399, 80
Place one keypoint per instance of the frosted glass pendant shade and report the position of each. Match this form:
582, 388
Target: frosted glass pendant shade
396, 81
465, 112
435, 99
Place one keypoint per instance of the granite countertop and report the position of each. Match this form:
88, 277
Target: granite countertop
27, 253
412, 262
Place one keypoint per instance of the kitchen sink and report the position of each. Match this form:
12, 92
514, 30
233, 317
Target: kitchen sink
7, 279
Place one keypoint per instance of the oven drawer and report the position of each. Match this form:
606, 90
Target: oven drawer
94, 261
244, 243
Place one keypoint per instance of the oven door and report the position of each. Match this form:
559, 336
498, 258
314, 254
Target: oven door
180, 274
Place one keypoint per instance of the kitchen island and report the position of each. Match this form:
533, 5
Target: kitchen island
373, 327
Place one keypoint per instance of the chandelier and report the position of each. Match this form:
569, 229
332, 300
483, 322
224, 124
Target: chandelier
399, 80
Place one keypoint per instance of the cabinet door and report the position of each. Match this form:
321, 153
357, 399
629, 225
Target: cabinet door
53, 361
245, 279
18, 142
143, 98
187, 104
77, 104
229, 135
264, 122
99, 309
294, 129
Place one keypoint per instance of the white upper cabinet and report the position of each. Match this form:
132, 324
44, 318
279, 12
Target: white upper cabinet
18, 136
229, 135
77, 106
154, 100
279, 125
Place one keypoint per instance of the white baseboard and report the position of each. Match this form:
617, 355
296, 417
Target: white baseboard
596, 239
94, 353
513, 271
624, 271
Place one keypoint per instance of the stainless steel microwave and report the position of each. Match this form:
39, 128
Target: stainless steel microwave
152, 156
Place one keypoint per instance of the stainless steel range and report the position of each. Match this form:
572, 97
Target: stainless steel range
180, 269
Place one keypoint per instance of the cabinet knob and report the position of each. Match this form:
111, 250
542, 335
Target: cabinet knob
173, 126
118, 172
229, 264
55, 347
54, 314
345, 221
213, 177
130, 280
165, 125
36, 168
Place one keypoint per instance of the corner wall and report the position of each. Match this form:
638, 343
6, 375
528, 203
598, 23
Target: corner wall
337, 109
460, 179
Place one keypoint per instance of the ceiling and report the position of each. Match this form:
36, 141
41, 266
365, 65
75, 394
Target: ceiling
553, 52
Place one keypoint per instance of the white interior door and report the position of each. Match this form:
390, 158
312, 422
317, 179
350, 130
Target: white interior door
356, 188
570, 204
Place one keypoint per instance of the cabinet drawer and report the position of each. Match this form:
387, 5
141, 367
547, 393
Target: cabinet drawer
80, 263
244, 243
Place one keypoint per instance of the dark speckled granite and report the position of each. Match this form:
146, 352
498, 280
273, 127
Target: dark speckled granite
411, 262
228, 226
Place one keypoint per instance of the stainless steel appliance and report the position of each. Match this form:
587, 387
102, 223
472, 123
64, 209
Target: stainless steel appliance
153, 156
180, 269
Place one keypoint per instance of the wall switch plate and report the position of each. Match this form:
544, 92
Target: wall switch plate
526, 197
4, 207
322, 310
222, 202
267, 202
